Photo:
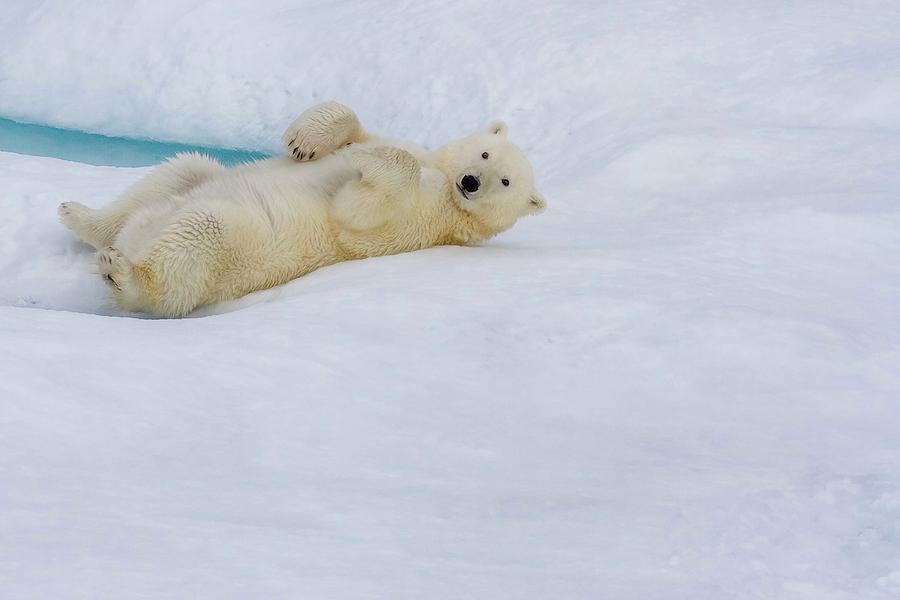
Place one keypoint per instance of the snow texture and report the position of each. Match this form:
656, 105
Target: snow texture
681, 382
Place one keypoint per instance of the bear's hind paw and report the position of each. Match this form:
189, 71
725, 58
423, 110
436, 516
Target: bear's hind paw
113, 267
75, 216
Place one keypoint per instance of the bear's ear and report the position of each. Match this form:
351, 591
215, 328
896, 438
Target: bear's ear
536, 203
497, 128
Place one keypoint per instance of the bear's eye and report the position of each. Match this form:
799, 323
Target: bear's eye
505, 181
485, 155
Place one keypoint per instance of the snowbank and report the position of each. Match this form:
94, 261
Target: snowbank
571, 77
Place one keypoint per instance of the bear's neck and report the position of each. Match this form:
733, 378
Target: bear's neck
466, 229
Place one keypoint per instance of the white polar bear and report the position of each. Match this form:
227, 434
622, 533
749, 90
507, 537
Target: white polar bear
193, 232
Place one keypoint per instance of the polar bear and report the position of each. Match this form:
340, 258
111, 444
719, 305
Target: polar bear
193, 232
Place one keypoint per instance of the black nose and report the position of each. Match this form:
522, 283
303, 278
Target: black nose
470, 183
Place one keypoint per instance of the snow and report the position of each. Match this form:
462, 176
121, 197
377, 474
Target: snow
680, 382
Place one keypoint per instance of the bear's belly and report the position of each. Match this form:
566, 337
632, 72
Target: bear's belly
393, 238
267, 251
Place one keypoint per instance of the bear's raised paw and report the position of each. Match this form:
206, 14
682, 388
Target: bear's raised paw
321, 130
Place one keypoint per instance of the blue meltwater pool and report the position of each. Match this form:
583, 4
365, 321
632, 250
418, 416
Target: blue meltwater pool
93, 149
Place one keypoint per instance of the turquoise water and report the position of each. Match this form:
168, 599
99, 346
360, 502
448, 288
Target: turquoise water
93, 149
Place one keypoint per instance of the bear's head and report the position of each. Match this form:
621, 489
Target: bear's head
490, 179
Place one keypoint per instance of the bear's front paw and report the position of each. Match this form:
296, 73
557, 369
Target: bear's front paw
385, 164
321, 130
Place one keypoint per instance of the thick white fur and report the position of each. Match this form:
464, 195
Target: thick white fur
193, 232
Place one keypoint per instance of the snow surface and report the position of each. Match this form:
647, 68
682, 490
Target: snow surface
681, 382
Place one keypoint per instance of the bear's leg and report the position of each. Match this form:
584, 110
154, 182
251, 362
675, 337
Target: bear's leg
321, 130
177, 274
99, 227
84, 222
